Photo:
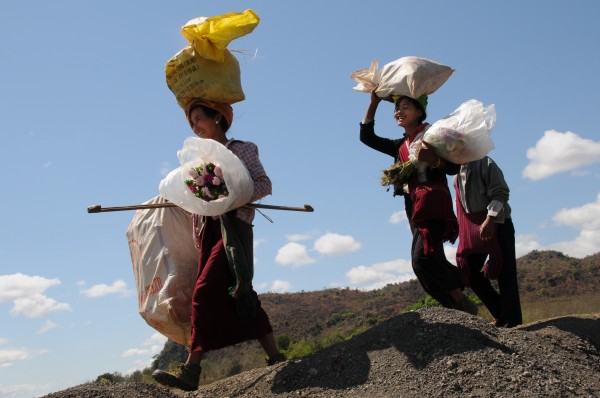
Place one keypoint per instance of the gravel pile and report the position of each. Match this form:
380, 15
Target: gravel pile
433, 352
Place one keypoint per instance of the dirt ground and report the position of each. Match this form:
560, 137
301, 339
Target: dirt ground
434, 352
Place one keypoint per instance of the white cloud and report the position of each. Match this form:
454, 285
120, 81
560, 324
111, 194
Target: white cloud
258, 242
298, 237
26, 294
152, 346
279, 286
135, 352
156, 338
9, 357
558, 152
3, 341
335, 244
49, 325
585, 218
37, 305
525, 244
140, 365
255, 244
118, 287
17, 389
293, 254
397, 217
378, 275
19, 285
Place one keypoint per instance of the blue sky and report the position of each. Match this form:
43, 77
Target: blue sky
86, 118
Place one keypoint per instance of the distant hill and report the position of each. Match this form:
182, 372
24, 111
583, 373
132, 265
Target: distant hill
309, 314
552, 274
541, 274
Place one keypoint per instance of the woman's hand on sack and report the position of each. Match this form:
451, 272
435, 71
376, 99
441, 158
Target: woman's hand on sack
425, 153
372, 109
375, 99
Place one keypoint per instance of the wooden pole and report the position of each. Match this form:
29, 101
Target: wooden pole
100, 209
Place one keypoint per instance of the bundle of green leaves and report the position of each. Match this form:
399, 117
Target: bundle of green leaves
397, 174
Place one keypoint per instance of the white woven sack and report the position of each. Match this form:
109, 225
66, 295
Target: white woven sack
165, 264
407, 76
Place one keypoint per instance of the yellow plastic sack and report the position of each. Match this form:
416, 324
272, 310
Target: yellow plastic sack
210, 36
206, 68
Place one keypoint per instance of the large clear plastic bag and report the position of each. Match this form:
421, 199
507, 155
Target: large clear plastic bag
165, 263
464, 135
407, 76
197, 151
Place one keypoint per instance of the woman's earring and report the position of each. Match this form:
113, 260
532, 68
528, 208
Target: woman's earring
217, 122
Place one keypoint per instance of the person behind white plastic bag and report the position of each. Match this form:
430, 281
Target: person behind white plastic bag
428, 203
486, 228
219, 320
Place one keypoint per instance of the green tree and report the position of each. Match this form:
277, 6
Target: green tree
424, 302
110, 378
171, 355
283, 341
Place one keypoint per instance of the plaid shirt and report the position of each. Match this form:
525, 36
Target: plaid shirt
248, 154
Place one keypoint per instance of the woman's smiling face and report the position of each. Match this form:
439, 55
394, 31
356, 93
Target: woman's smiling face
406, 113
203, 125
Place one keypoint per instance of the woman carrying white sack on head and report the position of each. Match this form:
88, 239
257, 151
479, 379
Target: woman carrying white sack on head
431, 216
420, 169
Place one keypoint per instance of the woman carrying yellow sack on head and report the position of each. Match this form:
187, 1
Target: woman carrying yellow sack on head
225, 308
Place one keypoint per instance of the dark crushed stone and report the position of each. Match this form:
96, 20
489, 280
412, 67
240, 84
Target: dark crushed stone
432, 352
115, 390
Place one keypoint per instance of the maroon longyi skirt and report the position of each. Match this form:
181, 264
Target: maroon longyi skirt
214, 321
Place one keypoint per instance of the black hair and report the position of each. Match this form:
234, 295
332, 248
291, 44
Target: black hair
416, 103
